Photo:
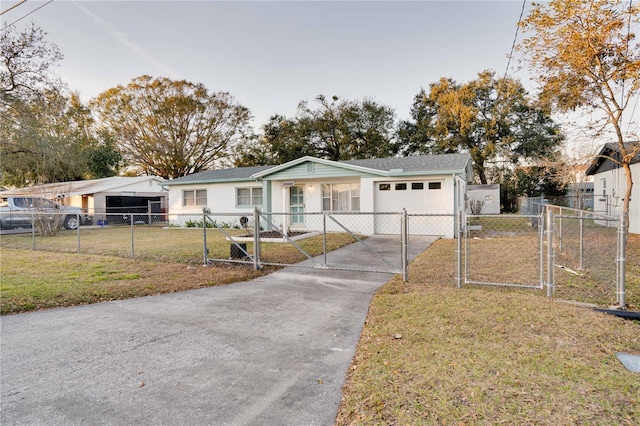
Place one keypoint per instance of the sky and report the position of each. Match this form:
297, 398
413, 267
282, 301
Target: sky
271, 55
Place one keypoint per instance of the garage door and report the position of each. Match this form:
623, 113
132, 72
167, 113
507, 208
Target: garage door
417, 197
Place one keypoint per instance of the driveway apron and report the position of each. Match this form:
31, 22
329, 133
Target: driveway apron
274, 350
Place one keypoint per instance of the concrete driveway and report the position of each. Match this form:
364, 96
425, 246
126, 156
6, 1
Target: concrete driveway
274, 350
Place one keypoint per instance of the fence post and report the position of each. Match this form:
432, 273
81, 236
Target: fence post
256, 238
205, 250
581, 260
78, 231
324, 239
622, 261
459, 235
33, 233
550, 253
404, 237
540, 219
133, 253
560, 230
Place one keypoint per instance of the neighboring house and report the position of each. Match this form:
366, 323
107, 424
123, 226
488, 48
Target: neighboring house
434, 184
609, 185
580, 195
116, 194
484, 197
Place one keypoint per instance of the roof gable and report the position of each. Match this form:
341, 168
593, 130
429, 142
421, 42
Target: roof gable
344, 167
604, 159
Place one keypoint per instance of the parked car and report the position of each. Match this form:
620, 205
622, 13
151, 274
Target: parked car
19, 212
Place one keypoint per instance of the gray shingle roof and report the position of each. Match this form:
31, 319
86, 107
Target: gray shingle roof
238, 173
419, 163
415, 163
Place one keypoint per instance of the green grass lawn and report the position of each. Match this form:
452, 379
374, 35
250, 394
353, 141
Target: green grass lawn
166, 260
181, 245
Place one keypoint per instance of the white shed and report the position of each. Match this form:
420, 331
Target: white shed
483, 199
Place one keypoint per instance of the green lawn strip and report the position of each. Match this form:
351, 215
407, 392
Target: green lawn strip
167, 260
182, 245
34, 280
434, 354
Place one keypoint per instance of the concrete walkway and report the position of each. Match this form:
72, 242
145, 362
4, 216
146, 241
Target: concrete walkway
274, 350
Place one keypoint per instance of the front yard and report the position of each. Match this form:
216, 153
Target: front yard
166, 260
429, 353
434, 354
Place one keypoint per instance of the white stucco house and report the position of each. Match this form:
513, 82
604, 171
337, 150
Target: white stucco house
609, 185
423, 185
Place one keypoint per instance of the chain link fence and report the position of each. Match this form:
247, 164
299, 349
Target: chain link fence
115, 235
504, 250
586, 253
576, 254
307, 239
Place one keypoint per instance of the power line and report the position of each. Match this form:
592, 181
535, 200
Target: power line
12, 7
24, 16
515, 38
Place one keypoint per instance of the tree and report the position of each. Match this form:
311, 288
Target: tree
26, 60
584, 56
171, 128
335, 130
490, 118
49, 138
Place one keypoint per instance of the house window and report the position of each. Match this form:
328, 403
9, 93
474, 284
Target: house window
247, 197
384, 187
341, 197
417, 185
401, 186
194, 197
435, 185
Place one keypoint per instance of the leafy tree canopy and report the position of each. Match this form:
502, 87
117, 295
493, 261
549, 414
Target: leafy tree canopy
48, 138
585, 55
490, 118
171, 128
333, 129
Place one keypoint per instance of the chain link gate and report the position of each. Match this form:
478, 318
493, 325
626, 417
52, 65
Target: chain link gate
307, 239
528, 251
488, 242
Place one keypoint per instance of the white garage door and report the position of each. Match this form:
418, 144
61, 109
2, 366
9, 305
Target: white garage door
417, 197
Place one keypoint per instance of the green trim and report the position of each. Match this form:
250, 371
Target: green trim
336, 164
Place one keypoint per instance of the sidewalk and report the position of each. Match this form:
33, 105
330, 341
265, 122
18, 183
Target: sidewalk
274, 350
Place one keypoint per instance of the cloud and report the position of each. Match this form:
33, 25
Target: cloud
124, 40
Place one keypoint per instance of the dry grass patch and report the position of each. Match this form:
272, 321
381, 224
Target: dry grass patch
486, 355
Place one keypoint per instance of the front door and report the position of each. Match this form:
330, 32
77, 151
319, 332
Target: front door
296, 205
